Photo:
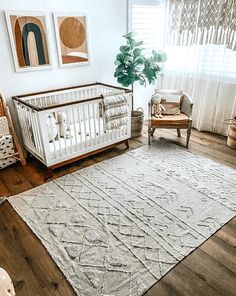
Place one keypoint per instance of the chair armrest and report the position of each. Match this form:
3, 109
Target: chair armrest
186, 106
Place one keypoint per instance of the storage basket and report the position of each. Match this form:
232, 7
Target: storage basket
231, 140
137, 123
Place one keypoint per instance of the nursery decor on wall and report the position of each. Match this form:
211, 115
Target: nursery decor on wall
72, 39
29, 41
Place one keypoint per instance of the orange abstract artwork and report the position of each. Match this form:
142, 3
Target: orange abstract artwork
28, 40
72, 39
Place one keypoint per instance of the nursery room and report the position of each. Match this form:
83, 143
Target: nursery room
118, 148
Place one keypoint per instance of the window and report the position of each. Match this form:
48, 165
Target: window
147, 19
213, 61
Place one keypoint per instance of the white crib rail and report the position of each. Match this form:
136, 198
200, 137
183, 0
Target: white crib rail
71, 95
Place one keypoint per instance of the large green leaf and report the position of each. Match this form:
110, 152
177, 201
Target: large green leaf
132, 65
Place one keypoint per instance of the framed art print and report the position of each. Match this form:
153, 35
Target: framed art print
72, 39
29, 40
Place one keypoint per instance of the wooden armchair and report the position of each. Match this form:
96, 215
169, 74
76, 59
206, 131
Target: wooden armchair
183, 120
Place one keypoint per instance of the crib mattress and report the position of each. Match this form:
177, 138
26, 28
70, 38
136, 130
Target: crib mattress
82, 136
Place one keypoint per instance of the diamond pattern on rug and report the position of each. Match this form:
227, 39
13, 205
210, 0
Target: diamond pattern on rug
117, 227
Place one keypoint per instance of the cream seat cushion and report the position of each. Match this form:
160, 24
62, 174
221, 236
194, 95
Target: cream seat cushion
171, 120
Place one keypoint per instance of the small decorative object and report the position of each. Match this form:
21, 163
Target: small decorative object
29, 42
157, 106
131, 66
64, 128
72, 39
6, 285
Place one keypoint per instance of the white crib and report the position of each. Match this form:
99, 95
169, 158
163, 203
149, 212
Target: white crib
87, 131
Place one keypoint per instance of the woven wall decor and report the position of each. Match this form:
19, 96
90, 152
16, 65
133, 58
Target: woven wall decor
203, 22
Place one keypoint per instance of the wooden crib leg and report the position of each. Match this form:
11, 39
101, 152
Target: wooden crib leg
48, 174
127, 144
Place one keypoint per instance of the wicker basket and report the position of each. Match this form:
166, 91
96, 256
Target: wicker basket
2, 110
137, 122
231, 140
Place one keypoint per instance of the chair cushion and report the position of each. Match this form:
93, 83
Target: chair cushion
171, 120
171, 108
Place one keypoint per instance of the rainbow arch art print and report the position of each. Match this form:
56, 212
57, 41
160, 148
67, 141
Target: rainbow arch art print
29, 41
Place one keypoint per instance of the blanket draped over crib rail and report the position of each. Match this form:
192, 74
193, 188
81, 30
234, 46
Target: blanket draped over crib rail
115, 110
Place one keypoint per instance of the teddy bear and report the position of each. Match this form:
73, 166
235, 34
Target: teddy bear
157, 106
63, 127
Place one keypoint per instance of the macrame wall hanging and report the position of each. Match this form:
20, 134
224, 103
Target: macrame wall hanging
202, 22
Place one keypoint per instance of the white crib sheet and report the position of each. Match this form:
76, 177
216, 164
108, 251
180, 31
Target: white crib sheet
84, 135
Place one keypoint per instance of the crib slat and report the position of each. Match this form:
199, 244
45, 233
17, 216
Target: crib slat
89, 125
79, 112
100, 133
69, 116
27, 133
77, 146
84, 123
94, 123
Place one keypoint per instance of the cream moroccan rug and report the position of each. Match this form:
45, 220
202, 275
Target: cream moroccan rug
117, 227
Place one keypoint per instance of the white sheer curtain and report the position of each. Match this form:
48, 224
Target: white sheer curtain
202, 58
208, 74
206, 71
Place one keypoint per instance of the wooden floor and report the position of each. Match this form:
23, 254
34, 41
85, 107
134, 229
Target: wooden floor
209, 270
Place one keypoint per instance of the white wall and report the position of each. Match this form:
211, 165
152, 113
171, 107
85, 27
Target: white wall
107, 22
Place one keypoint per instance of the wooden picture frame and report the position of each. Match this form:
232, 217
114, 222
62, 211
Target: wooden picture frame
71, 31
28, 34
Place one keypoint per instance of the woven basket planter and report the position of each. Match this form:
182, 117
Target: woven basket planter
231, 140
137, 122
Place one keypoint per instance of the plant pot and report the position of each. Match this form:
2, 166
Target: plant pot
137, 122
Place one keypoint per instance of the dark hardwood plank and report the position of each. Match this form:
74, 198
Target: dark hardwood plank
227, 233
184, 282
215, 274
13, 180
221, 251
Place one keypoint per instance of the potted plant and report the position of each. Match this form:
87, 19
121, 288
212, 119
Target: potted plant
132, 66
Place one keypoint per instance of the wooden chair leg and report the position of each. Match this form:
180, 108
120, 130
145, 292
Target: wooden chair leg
188, 136
149, 135
178, 132
152, 131
48, 174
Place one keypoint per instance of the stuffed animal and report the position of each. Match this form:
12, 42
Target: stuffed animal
157, 106
64, 128
51, 125
6, 285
